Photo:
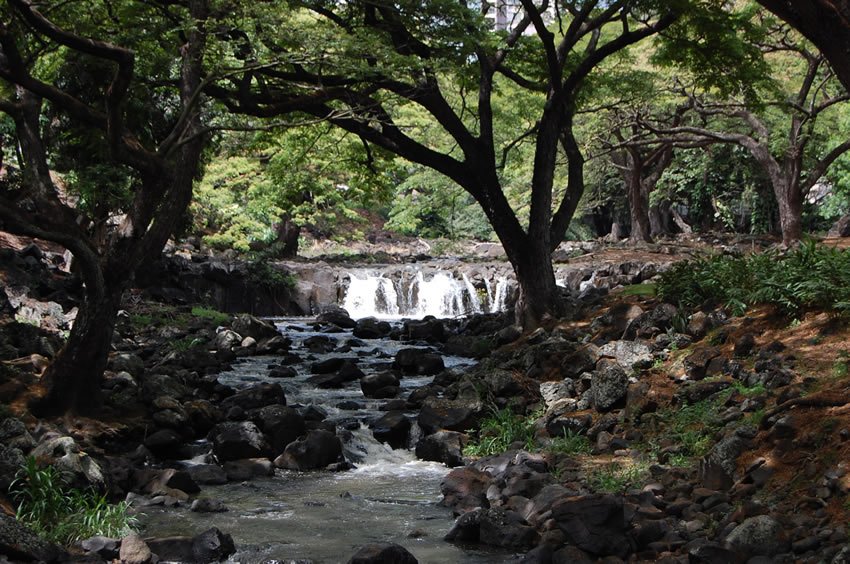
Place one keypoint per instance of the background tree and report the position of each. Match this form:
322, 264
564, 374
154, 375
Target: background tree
161, 164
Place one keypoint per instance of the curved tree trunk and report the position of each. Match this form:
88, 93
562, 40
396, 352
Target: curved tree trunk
641, 231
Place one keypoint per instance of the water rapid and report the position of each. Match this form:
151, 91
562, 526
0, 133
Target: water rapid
322, 517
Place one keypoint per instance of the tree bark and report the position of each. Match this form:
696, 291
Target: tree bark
641, 231
288, 233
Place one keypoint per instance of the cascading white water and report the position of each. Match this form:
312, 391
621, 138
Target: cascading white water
371, 296
472, 293
416, 295
499, 300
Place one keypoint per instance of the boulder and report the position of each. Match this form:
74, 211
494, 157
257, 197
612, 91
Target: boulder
207, 505
14, 434
442, 446
274, 345
316, 450
134, 550
451, 415
21, 544
630, 355
127, 362
65, 455
254, 327
609, 385
382, 553
319, 344
371, 328
258, 395
418, 361
330, 365
207, 474
380, 385
105, 547
283, 372
171, 479
226, 340
11, 461
761, 535
336, 315
210, 546
233, 440
465, 489
248, 469
428, 329
393, 429
494, 527
280, 424
594, 523
165, 443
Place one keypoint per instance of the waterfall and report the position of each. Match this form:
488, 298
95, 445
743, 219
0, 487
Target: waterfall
499, 301
371, 296
416, 294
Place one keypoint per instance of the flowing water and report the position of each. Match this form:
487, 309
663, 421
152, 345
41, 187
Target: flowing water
416, 294
323, 517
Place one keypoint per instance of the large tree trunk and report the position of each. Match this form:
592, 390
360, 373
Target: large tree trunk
790, 215
539, 299
73, 380
641, 231
288, 233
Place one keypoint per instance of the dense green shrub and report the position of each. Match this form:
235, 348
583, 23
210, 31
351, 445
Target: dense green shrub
809, 277
500, 430
62, 514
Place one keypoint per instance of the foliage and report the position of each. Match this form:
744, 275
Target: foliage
499, 431
571, 443
62, 514
617, 478
213, 315
691, 428
810, 276
264, 274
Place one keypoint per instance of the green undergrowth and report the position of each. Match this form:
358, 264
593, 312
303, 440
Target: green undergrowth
65, 515
499, 431
811, 276
618, 477
155, 315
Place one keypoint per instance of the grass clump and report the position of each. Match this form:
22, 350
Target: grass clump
213, 315
571, 443
499, 431
618, 478
811, 276
62, 514
691, 428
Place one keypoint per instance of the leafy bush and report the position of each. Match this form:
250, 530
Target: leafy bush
809, 277
62, 514
500, 431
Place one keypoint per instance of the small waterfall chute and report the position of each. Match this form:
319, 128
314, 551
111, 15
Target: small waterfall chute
371, 295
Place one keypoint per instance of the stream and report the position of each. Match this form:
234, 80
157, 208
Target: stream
323, 517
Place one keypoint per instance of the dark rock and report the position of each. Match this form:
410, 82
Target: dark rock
274, 345
428, 329
711, 553
508, 334
20, 543
494, 527
371, 328
698, 391
744, 345
696, 364
609, 386
418, 361
171, 479
563, 425
207, 505
465, 489
758, 536
316, 450
451, 415
258, 395
250, 326
105, 547
380, 385
237, 440
283, 372
319, 344
165, 443
280, 424
127, 362
382, 553
393, 429
442, 446
248, 469
11, 461
330, 365
207, 474
336, 315
210, 546
571, 555
593, 523
841, 228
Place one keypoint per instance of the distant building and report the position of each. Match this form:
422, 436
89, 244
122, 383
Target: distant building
505, 14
